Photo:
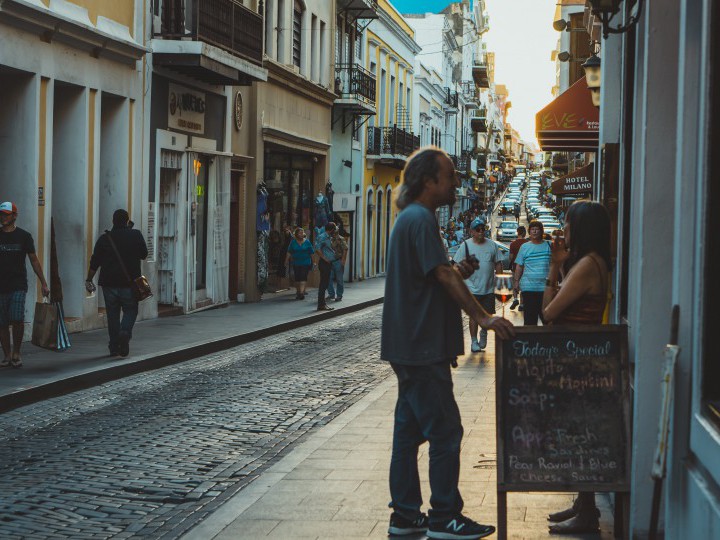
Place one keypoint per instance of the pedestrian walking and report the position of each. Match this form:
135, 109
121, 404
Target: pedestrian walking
516, 211
299, 254
326, 256
15, 245
531, 268
421, 337
482, 281
514, 248
337, 267
117, 251
576, 293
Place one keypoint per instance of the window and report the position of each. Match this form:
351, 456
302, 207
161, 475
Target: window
358, 46
297, 32
280, 53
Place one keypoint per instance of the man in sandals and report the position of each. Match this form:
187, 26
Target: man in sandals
117, 289
15, 244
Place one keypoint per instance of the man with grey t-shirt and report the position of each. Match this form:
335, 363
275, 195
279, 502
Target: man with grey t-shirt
421, 337
482, 282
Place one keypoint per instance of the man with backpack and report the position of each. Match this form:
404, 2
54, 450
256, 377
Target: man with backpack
482, 282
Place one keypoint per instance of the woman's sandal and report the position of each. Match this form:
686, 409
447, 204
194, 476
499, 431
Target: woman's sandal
584, 523
563, 515
566, 514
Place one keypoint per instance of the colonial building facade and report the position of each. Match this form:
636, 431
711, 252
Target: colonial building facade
72, 79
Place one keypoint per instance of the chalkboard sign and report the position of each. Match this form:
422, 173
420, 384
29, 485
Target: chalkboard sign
563, 409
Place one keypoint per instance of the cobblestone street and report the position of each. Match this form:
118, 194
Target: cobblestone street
153, 454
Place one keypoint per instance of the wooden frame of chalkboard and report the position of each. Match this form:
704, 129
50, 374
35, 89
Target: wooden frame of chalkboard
563, 411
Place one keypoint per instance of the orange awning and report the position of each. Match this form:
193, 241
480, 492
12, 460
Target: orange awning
577, 182
570, 123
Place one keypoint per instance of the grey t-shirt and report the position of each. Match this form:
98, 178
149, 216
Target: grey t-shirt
421, 324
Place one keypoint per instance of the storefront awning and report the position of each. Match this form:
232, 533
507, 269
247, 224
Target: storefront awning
570, 123
578, 182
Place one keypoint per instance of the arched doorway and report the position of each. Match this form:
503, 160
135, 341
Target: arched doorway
378, 236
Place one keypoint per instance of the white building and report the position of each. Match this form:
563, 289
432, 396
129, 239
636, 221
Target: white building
71, 117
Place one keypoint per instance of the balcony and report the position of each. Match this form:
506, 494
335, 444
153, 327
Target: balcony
451, 98
359, 9
480, 71
215, 41
478, 120
391, 145
356, 88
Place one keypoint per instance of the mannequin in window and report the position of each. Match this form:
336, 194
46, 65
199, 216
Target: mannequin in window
330, 193
262, 227
322, 210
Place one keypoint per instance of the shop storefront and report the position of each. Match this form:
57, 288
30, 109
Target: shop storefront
188, 198
290, 202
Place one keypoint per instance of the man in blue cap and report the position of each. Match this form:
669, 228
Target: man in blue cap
482, 282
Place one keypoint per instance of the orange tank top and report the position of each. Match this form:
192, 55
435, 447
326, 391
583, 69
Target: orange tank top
587, 309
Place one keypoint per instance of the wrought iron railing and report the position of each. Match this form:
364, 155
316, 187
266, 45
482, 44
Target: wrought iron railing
354, 82
451, 98
226, 24
391, 140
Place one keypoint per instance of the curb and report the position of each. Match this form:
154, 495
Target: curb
100, 376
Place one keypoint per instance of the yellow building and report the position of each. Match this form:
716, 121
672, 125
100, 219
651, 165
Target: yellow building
71, 110
390, 135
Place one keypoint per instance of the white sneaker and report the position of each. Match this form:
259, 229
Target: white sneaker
475, 346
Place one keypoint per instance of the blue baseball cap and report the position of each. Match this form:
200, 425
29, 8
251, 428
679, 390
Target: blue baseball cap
477, 223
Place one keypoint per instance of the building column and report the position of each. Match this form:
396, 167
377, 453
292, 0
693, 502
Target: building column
651, 242
271, 17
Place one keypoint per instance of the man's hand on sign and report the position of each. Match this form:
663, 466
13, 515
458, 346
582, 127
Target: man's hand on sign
502, 327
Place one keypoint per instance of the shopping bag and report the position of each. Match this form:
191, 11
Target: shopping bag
63, 339
45, 325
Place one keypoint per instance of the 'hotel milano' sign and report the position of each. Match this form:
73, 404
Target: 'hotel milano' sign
576, 183
186, 109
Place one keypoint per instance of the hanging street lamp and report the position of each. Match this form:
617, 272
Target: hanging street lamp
605, 10
593, 77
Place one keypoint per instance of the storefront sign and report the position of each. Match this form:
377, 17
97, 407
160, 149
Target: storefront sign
186, 109
570, 122
577, 182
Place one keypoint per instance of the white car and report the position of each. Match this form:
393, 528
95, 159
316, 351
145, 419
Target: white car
507, 231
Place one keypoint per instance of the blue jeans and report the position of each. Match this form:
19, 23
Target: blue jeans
337, 271
117, 298
426, 411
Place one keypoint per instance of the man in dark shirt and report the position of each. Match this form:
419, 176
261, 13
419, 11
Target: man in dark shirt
15, 244
117, 289
421, 337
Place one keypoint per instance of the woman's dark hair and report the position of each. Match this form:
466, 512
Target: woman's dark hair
589, 232
423, 164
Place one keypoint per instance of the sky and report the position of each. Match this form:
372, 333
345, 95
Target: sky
522, 37
522, 46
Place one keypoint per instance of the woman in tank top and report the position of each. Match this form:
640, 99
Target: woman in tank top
576, 293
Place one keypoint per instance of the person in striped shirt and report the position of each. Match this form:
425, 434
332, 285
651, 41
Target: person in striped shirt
531, 269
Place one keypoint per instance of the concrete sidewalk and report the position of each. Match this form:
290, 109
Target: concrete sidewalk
334, 485
163, 341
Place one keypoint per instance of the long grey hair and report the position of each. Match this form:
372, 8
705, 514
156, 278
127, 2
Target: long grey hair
421, 165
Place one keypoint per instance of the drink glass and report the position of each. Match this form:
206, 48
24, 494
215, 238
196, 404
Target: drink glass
503, 288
